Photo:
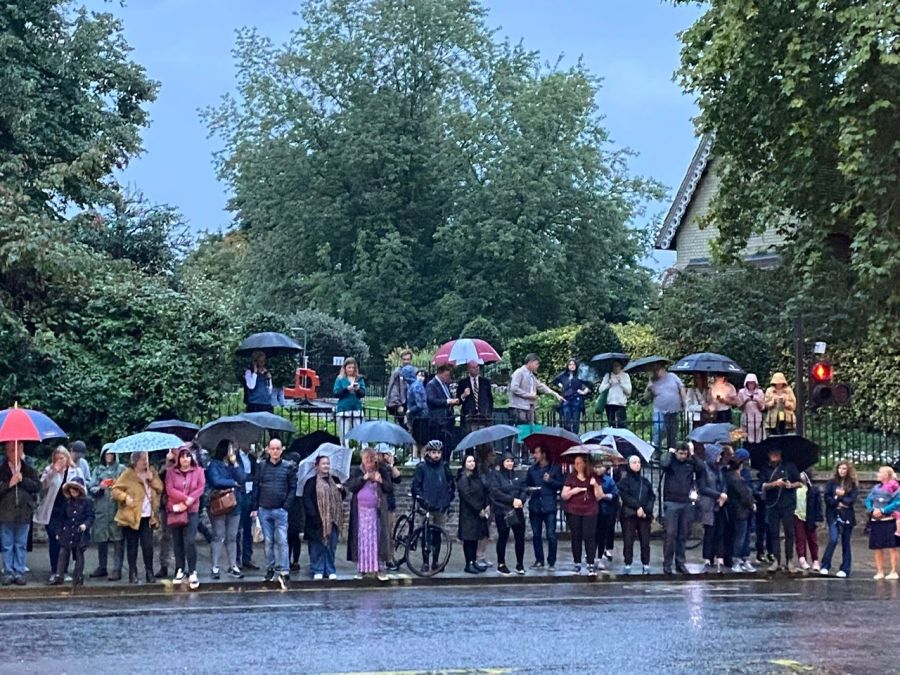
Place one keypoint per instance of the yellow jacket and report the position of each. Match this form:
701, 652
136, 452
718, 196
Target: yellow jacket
129, 485
790, 404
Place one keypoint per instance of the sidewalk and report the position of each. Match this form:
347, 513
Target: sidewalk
38, 561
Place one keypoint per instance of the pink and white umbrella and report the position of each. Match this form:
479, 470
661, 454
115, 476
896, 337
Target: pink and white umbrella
465, 350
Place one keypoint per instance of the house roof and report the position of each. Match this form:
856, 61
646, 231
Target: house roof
665, 238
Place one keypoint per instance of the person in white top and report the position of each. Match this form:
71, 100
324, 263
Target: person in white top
723, 396
618, 385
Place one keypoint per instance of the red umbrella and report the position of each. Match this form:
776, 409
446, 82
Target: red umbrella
464, 350
554, 440
22, 424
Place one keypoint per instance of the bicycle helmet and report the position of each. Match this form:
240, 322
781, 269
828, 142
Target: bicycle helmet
434, 446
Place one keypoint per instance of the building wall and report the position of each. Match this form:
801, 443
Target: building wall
692, 244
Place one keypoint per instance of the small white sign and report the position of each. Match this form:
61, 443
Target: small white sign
819, 348
337, 360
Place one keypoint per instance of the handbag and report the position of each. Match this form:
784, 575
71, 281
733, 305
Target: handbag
176, 518
222, 502
514, 518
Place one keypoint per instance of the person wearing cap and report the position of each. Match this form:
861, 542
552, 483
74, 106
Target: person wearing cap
780, 481
781, 404
740, 506
105, 530
19, 487
78, 450
75, 533
524, 388
752, 402
433, 485
507, 492
185, 483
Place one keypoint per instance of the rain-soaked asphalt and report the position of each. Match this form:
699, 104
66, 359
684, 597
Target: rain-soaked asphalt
764, 626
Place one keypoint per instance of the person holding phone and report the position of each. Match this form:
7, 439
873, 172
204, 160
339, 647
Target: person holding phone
225, 472
105, 530
780, 481
350, 390
258, 385
582, 494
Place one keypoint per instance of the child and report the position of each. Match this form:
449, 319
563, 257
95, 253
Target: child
807, 515
892, 486
75, 534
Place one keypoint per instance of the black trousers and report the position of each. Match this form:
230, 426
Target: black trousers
503, 536
605, 534
632, 527
470, 549
103, 555
143, 536
77, 553
781, 518
583, 529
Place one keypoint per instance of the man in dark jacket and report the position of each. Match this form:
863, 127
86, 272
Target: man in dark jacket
19, 486
476, 397
440, 407
741, 506
780, 481
433, 485
273, 494
544, 481
682, 473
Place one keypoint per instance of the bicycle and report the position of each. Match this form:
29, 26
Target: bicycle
408, 538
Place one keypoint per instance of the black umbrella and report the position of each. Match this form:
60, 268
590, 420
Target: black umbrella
487, 435
605, 359
712, 433
796, 450
707, 362
184, 430
307, 445
646, 363
269, 421
270, 343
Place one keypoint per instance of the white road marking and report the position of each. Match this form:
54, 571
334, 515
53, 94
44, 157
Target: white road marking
115, 611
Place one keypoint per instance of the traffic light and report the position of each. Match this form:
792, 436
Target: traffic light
823, 391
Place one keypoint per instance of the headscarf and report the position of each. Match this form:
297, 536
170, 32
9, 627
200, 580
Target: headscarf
331, 506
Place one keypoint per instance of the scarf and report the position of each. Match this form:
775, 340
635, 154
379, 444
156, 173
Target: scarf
331, 506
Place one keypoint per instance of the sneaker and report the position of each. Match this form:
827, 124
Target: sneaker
179, 577
426, 567
577, 569
381, 576
537, 566
879, 576
194, 581
481, 567
770, 557
20, 581
520, 570
599, 564
317, 577
215, 573
841, 575
551, 568
68, 578
747, 567
504, 570
607, 554
803, 564
626, 569
893, 576
774, 567
645, 569
816, 566
332, 577
235, 572
824, 571
270, 575
250, 565
590, 570
737, 568
791, 567
54, 580
484, 562
761, 558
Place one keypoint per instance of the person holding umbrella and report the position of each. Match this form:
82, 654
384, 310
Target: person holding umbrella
544, 481
440, 407
617, 384
573, 392
781, 404
476, 398
840, 495
258, 384
780, 481
581, 493
350, 390
19, 487
636, 493
105, 530
323, 501
137, 492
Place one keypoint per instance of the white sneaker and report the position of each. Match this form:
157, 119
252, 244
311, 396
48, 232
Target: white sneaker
381, 576
194, 581
179, 577
332, 577
646, 569
317, 577
816, 566
879, 576
893, 576
824, 571
747, 567
841, 575
626, 569
803, 564
737, 568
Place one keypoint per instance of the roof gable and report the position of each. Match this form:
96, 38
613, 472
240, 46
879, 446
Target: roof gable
665, 238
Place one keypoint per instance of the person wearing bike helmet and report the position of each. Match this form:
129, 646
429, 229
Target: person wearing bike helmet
433, 486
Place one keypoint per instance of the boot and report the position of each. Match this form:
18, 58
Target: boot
77, 581
132, 575
150, 578
115, 575
99, 572
163, 573
470, 569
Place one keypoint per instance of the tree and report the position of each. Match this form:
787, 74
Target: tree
803, 100
481, 328
395, 166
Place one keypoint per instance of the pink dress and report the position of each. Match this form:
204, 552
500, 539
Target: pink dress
367, 535
751, 415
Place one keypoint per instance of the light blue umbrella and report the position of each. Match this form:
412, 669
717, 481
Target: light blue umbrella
625, 441
487, 435
379, 431
145, 441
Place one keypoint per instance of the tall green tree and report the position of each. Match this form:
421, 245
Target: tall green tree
396, 165
803, 96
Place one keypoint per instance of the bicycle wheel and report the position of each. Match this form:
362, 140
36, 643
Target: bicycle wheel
402, 530
426, 551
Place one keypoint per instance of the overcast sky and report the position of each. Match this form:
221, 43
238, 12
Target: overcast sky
186, 45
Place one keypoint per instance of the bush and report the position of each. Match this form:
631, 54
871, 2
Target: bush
554, 347
638, 339
481, 328
594, 338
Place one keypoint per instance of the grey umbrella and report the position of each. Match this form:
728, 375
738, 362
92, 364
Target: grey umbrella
379, 431
645, 363
487, 435
184, 430
270, 421
719, 432
270, 343
707, 362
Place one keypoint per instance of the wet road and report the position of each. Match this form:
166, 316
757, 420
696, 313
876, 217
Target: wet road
832, 626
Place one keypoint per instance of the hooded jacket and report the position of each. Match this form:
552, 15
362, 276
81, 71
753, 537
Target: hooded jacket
105, 507
433, 484
740, 496
505, 486
635, 491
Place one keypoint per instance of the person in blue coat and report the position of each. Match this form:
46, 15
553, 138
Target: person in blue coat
544, 481
604, 535
226, 472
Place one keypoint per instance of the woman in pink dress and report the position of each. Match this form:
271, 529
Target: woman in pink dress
369, 537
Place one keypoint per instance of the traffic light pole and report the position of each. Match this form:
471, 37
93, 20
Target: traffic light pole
799, 370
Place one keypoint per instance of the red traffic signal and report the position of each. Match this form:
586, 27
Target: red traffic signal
821, 372
822, 390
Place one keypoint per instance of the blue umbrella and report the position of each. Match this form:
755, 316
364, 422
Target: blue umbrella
270, 421
145, 441
487, 435
624, 440
270, 343
380, 431
719, 432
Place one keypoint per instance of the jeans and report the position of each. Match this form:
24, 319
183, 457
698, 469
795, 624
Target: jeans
571, 415
245, 537
676, 520
144, 536
741, 527
321, 554
53, 529
503, 536
13, 542
225, 530
184, 541
605, 535
843, 533
583, 529
539, 521
667, 422
631, 526
781, 518
103, 555
274, 527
